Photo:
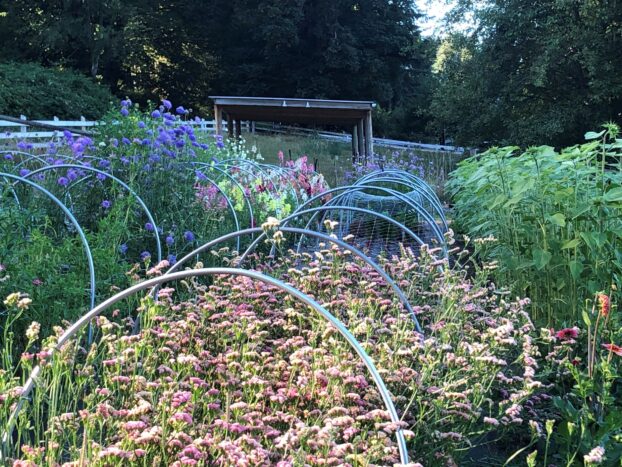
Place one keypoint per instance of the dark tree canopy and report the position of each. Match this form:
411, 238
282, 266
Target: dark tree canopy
531, 72
527, 73
188, 49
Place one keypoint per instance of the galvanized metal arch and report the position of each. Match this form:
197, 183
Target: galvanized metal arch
23, 153
404, 175
400, 196
353, 188
284, 222
61, 156
73, 220
120, 182
235, 182
284, 172
311, 233
352, 341
233, 162
229, 203
433, 201
264, 169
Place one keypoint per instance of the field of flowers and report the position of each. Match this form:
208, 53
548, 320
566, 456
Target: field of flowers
360, 331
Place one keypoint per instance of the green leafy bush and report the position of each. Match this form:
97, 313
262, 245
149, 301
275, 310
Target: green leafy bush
553, 220
38, 92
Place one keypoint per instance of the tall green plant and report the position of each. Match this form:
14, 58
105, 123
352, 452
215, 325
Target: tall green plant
554, 219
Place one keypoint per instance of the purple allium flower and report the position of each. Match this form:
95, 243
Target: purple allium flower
126, 103
101, 177
125, 112
63, 181
200, 175
166, 103
141, 124
123, 248
8, 157
149, 227
126, 141
188, 236
170, 240
114, 142
106, 204
145, 255
23, 172
72, 175
156, 114
172, 259
180, 110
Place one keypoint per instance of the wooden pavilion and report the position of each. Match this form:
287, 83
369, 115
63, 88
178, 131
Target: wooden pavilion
355, 116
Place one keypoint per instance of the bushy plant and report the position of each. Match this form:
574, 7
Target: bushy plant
41, 93
552, 220
172, 168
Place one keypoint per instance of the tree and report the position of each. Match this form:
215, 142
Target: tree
531, 72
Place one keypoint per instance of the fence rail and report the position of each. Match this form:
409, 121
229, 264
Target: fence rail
21, 130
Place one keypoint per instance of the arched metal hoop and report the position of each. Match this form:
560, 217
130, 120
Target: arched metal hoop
227, 199
314, 211
76, 224
117, 180
354, 343
232, 179
347, 190
310, 233
433, 201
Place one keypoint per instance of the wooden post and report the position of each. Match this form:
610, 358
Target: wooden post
238, 128
361, 137
230, 125
355, 144
369, 137
218, 120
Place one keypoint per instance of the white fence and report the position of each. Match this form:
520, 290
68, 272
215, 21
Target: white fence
12, 132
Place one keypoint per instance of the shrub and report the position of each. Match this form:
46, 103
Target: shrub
552, 220
42, 93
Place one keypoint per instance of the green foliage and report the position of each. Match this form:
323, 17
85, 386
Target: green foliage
529, 72
38, 92
553, 220
186, 50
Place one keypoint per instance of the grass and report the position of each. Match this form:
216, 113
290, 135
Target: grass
334, 158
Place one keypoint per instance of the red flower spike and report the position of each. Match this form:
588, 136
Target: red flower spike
616, 349
604, 303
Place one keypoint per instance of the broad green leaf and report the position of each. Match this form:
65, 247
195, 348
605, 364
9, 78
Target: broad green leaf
575, 242
613, 195
593, 135
558, 219
500, 199
576, 268
513, 200
541, 257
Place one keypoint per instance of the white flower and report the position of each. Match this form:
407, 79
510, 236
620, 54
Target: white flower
33, 331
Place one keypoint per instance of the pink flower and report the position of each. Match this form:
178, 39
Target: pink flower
181, 417
567, 334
